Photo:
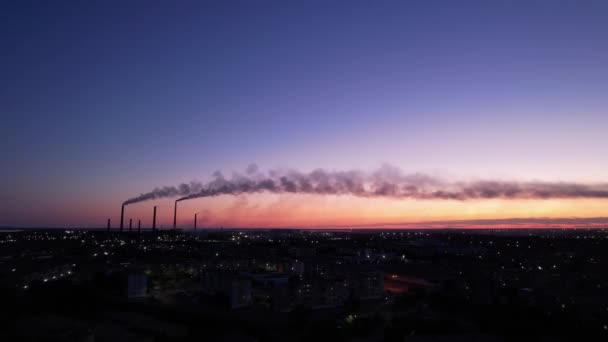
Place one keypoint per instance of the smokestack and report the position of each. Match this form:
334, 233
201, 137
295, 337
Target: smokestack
139, 226
122, 215
130, 224
175, 216
108, 229
195, 220
154, 219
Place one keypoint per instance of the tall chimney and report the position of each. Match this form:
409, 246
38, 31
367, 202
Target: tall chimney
175, 216
130, 224
195, 220
139, 226
154, 219
108, 229
122, 215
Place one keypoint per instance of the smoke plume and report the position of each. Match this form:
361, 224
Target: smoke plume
183, 189
387, 181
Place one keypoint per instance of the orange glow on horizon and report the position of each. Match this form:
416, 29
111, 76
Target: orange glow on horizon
269, 210
310, 211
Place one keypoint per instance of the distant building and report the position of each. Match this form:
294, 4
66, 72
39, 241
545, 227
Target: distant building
236, 287
370, 284
137, 285
297, 267
302, 252
275, 288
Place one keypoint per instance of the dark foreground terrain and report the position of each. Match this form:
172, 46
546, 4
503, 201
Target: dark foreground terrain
290, 285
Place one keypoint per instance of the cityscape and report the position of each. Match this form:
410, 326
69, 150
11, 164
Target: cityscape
303, 170
272, 285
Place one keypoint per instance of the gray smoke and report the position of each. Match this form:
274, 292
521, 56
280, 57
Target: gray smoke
183, 189
387, 181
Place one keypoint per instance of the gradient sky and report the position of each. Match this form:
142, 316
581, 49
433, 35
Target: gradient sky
103, 100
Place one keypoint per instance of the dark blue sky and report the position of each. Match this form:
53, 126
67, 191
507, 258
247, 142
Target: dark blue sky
103, 99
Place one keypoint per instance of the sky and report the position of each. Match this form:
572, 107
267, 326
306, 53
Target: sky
103, 100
